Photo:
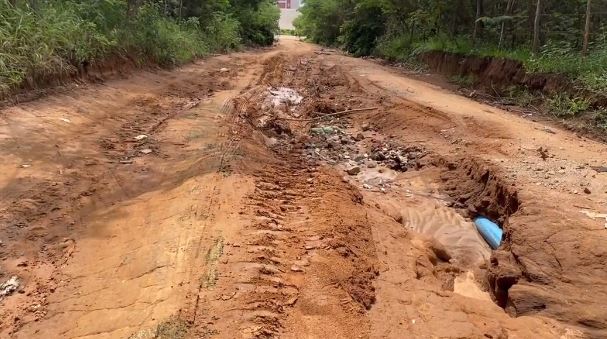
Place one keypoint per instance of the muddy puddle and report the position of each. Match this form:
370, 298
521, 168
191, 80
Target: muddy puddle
414, 200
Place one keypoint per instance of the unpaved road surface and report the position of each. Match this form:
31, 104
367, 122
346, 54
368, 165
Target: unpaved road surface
226, 199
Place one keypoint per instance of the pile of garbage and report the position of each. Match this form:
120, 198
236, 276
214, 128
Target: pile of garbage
277, 104
331, 143
283, 96
334, 144
8, 287
396, 157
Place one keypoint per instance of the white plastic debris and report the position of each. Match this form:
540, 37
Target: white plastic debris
284, 95
65, 120
141, 137
9, 286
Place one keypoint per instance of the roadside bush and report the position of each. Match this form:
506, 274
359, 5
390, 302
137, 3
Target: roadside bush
221, 33
321, 20
600, 118
37, 45
164, 40
61, 36
565, 106
258, 21
394, 47
360, 34
520, 96
465, 81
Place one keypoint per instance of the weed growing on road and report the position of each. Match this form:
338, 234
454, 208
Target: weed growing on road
209, 279
172, 328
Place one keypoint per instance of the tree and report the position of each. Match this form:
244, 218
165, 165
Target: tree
536, 27
509, 9
477, 21
587, 28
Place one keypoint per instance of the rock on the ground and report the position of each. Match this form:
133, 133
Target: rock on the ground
353, 170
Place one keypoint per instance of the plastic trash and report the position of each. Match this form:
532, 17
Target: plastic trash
490, 231
324, 130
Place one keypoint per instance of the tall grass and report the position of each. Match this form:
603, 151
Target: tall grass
61, 36
162, 39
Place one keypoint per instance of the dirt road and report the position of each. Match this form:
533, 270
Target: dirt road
228, 199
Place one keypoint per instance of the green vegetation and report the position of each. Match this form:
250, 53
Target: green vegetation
284, 31
463, 80
520, 96
600, 118
551, 37
43, 39
209, 279
563, 105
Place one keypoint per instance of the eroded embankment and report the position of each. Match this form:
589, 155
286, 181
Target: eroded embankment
501, 74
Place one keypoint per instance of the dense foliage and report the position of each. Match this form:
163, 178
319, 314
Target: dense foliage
44, 38
401, 29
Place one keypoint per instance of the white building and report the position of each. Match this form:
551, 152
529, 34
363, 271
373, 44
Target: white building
289, 4
288, 12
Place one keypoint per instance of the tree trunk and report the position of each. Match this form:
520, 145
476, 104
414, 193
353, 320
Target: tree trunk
477, 23
536, 27
530, 17
509, 8
587, 29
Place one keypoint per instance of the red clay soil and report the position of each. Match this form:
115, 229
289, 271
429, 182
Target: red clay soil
497, 72
186, 204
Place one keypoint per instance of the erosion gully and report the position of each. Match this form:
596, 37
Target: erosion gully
294, 192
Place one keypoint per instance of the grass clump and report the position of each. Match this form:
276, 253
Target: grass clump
463, 80
563, 106
600, 118
172, 328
